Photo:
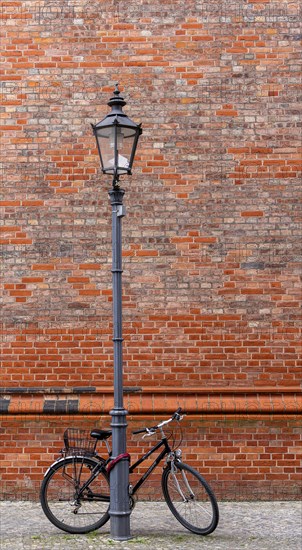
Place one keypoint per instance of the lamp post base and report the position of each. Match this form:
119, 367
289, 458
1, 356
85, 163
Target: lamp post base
119, 479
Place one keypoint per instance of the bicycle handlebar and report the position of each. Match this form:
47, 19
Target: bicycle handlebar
176, 416
139, 431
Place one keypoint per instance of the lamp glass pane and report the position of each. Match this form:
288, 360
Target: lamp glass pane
105, 137
125, 142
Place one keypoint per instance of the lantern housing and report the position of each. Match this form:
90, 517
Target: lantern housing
117, 137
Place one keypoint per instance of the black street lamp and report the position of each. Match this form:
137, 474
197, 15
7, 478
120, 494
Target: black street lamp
117, 137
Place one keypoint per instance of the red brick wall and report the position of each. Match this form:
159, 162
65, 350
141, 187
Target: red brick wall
212, 288
242, 458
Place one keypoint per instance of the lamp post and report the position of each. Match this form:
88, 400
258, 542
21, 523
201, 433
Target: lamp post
117, 137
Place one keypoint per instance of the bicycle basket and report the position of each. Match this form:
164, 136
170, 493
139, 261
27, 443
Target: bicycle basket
79, 442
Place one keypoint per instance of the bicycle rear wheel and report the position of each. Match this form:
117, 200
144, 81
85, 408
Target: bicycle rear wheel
190, 498
60, 498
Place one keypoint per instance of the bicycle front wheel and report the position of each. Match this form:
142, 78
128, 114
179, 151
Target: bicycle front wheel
190, 498
61, 501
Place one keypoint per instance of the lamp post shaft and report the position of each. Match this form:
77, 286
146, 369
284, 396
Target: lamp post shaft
119, 475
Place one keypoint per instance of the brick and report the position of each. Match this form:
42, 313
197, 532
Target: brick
147, 253
20, 293
252, 214
90, 267
227, 112
89, 292
32, 279
10, 203
43, 267
20, 241
32, 203
9, 228
78, 279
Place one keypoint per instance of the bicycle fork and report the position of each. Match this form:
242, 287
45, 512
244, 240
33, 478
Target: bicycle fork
184, 477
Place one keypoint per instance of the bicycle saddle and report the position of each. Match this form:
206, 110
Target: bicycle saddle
100, 434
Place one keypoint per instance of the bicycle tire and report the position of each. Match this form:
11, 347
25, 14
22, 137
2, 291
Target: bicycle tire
190, 498
58, 495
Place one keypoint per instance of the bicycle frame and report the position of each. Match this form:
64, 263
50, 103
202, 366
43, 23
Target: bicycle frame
163, 443
98, 467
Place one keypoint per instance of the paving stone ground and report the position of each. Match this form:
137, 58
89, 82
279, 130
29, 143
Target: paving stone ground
243, 525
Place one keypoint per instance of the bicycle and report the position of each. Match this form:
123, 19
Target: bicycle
75, 493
